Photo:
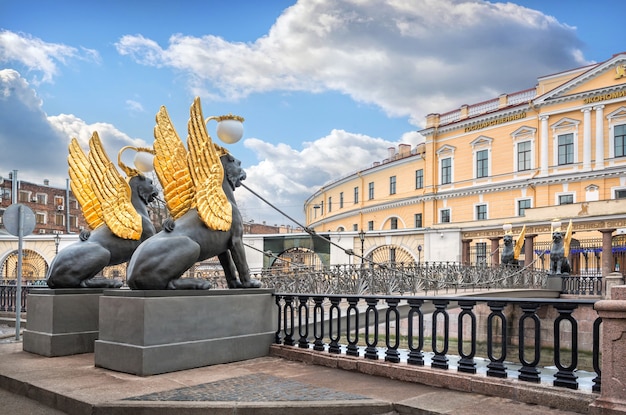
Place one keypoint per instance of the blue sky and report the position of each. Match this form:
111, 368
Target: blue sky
325, 86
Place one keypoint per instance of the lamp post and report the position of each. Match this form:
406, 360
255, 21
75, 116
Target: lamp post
57, 240
362, 238
419, 254
229, 127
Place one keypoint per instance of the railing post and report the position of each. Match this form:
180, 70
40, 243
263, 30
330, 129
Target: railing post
416, 357
334, 313
467, 363
303, 321
529, 371
392, 354
370, 351
277, 337
565, 376
288, 320
352, 349
440, 360
318, 323
496, 368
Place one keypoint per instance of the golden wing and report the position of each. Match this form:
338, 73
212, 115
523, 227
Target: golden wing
207, 174
80, 182
567, 239
519, 243
170, 164
113, 192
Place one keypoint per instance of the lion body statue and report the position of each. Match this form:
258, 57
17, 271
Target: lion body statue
77, 265
508, 253
160, 261
559, 263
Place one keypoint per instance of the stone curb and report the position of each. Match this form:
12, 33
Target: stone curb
513, 389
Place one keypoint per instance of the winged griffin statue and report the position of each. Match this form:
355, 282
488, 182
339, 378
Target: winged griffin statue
559, 252
198, 187
114, 208
511, 252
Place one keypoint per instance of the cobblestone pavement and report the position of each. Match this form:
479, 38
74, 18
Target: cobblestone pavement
267, 388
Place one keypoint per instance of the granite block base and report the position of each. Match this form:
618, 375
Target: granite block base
62, 322
147, 332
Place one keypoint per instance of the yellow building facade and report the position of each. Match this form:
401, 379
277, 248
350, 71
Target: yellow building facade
557, 150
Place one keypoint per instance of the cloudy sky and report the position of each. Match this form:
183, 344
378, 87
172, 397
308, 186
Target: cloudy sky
325, 86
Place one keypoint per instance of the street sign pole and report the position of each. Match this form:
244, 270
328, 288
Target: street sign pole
18, 288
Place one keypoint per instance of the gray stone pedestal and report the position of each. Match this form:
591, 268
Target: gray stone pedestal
555, 282
62, 322
146, 332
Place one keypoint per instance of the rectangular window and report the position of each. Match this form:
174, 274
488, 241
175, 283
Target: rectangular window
356, 195
446, 171
355, 227
418, 220
40, 218
41, 198
73, 222
394, 223
481, 253
58, 200
392, 185
522, 205
392, 255
322, 208
566, 149
482, 163
341, 200
620, 140
371, 190
23, 196
566, 199
330, 204
419, 179
481, 212
620, 194
445, 216
523, 156
370, 225
58, 219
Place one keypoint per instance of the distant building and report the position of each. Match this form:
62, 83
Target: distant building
554, 151
56, 209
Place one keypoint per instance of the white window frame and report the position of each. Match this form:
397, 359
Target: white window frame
479, 144
617, 117
523, 135
557, 195
519, 199
444, 153
441, 210
562, 127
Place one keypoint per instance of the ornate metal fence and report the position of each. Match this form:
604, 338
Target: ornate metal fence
398, 278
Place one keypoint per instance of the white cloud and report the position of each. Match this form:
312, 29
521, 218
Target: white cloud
407, 57
37, 55
37, 145
287, 177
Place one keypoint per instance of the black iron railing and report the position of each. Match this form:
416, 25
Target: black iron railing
581, 285
448, 332
8, 293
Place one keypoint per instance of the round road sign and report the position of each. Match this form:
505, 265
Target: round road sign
11, 219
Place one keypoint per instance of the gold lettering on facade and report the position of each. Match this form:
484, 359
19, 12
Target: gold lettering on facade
605, 97
497, 121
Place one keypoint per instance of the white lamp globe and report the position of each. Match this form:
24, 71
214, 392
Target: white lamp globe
144, 161
230, 131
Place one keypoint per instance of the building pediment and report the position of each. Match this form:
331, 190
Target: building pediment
602, 82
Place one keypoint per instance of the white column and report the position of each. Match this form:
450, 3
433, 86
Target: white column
543, 156
586, 138
599, 137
